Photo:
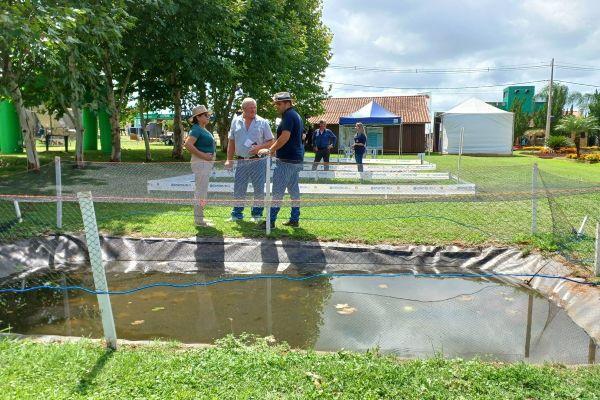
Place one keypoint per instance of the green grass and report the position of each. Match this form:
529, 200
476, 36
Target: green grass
235, 370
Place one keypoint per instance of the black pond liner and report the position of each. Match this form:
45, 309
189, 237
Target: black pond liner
413, 275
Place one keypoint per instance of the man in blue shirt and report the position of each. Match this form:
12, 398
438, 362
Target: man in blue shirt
323, 141
290, 155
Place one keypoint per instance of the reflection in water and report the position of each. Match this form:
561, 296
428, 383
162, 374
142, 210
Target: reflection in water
411, 317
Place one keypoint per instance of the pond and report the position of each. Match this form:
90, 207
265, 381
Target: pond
405, 315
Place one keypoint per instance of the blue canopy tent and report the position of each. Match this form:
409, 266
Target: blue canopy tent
375, 116
372, 114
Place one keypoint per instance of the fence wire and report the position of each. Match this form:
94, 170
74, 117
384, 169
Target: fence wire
410, 203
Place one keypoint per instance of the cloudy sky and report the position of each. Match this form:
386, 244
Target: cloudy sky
514, 39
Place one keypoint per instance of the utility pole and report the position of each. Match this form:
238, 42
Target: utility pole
549, 109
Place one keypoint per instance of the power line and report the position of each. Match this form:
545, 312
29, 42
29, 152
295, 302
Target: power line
440, 70
578, 83
434, 88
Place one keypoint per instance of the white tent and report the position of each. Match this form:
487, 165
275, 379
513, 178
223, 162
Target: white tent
487, 129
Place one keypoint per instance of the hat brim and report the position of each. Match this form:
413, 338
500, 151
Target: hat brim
191, 119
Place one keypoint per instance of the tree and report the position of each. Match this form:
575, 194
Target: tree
78, 66
22, 25
182, 53
520, 120
278, 45
560, 94
576, 125
594, 105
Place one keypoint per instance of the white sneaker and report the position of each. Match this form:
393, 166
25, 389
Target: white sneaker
256, 219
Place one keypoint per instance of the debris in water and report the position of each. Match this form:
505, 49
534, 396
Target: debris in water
138, 322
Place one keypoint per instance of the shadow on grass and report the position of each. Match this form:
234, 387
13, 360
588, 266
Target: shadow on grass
86, 383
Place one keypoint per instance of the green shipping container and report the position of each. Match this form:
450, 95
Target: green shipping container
90, 130
105, 131
10, 129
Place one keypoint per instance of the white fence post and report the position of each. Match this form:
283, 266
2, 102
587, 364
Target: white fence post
597, 260
460, 151
534, 201
268, 196
581, 229
18, 211
59, 205
93, 244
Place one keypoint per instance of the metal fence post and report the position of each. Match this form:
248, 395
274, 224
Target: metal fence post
18, 211
534, 202
597, 262
59, 205
93, 244
268, 196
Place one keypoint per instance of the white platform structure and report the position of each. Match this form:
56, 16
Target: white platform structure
185, 183
377, 167
420, 160
487, 129
387, 175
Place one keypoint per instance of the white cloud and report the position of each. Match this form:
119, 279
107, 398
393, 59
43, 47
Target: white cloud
459, 34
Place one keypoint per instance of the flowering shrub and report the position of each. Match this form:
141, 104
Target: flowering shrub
532, 148
592, 158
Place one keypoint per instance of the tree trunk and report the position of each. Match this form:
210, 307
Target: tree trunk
223, 108
113, 110
223, 131
75, 116
577, 141
27, 126
177, 128
143, 123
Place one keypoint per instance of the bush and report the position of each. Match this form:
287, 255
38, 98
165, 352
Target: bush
572, 156
592, 158
567, 150
556, 142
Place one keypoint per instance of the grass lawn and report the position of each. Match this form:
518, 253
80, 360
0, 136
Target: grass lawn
494, 217
234, 370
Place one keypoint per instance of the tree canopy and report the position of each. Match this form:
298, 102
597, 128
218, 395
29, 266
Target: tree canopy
162, 54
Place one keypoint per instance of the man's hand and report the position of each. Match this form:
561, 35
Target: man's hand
315, 149
228, 164
264, 152
253, 150
330, 147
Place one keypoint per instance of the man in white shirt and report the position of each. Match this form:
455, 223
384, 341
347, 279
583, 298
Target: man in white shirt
248, 134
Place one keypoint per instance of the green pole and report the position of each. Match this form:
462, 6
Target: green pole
90, 130
10, 129
105, 131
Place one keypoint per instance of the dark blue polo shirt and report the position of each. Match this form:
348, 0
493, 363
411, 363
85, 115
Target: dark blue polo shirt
323, 139
293, 149
360, 138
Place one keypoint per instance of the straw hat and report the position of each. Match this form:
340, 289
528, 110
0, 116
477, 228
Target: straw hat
197, 111
282, 96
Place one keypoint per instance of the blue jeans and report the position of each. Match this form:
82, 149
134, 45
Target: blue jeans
253, 171
358, 156
285, 176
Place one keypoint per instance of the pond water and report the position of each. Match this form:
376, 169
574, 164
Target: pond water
408, 316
